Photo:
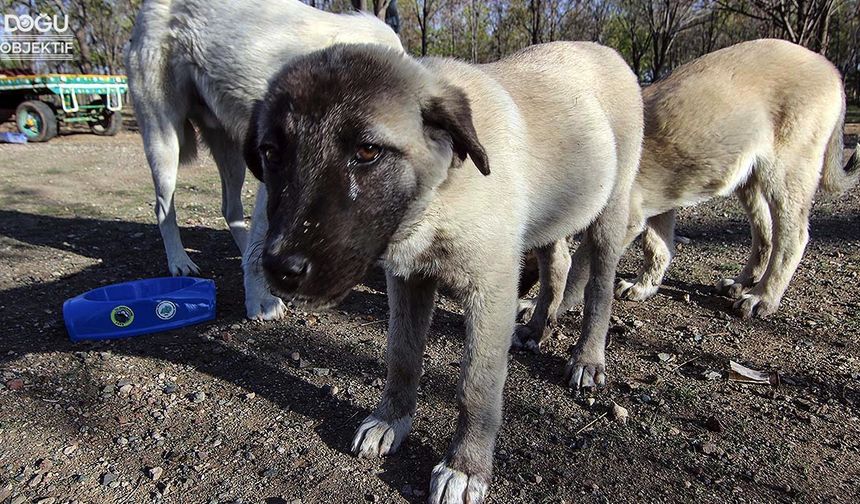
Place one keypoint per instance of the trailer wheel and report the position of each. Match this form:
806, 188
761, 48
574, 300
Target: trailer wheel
37, 120
107, 122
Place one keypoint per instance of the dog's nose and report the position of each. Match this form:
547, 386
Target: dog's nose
290, 268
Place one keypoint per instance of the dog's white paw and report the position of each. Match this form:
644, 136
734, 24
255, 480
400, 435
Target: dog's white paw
753, 305
526, 309
450, 486
634, 291
376, 437
266, 307
182, 265
731, 287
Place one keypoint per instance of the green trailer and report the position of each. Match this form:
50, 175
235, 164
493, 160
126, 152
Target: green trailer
41, 103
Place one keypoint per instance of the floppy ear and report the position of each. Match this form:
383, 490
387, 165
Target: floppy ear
452, 114
251, 150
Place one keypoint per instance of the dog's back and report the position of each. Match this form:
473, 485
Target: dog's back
549, 110
215, 58
714, 121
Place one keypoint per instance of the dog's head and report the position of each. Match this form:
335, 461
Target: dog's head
349, 142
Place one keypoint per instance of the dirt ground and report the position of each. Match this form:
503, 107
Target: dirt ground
234, 411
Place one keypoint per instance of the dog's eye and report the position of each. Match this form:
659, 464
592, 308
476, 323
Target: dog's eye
367, 153
270, 153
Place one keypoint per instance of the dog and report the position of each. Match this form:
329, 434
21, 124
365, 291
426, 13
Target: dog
449, 172
202, 64
760, 119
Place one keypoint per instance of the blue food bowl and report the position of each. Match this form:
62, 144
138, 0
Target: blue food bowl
139, 307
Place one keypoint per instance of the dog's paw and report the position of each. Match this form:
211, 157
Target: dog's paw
526, 309
634, 291
182, 265
730, 287
450, 486
268, 307
527, 337
583, 372
377, 438
753, 305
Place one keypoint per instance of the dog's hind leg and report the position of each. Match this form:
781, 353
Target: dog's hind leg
260, 303
658, 246
553, 265
411, 303
231, 166
753, 201
163, 137
789, 195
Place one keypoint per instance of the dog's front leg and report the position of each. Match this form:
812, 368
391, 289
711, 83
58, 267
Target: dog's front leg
465, 472
410, 303
260, 303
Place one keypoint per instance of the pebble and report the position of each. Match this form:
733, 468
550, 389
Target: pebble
5, 492
154, 473
537, 478
198, 397
46, 500
125, 389
67, 451
108, 478
19, 500
320, 371
15, 384
709, 448
35, 480
45, 465
169, 388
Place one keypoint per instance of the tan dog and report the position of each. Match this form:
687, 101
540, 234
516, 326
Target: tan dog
760, 119
450, 172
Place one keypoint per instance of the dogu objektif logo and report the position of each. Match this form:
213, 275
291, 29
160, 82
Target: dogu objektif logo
31, 37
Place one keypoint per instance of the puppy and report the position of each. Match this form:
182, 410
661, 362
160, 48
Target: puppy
760, 119
203, 63
450, 172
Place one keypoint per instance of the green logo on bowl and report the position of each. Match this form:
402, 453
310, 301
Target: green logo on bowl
122, 316
165, 310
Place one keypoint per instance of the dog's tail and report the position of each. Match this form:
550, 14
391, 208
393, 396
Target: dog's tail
838, 177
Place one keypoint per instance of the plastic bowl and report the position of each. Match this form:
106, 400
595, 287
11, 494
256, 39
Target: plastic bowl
139, 307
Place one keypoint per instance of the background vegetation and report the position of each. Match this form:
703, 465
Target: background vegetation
654, 35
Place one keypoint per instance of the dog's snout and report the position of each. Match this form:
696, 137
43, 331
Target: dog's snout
288, 269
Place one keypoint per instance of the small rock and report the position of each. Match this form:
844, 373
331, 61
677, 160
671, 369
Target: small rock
154, 473
35, 480
619, 413
709, 448
372, 498
5, 492
537, 478
235, 327
198, 397
46, 500
19, 500
665, 357
15, 384
45, 465
590, 401
69, 450
108, 478
713, 424
125, 389
271, 472
169, 388
712, 375
295, 356
320, 371
250, 395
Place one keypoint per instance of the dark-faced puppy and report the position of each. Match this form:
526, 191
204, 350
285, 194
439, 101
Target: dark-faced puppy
340, 180
368, 153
